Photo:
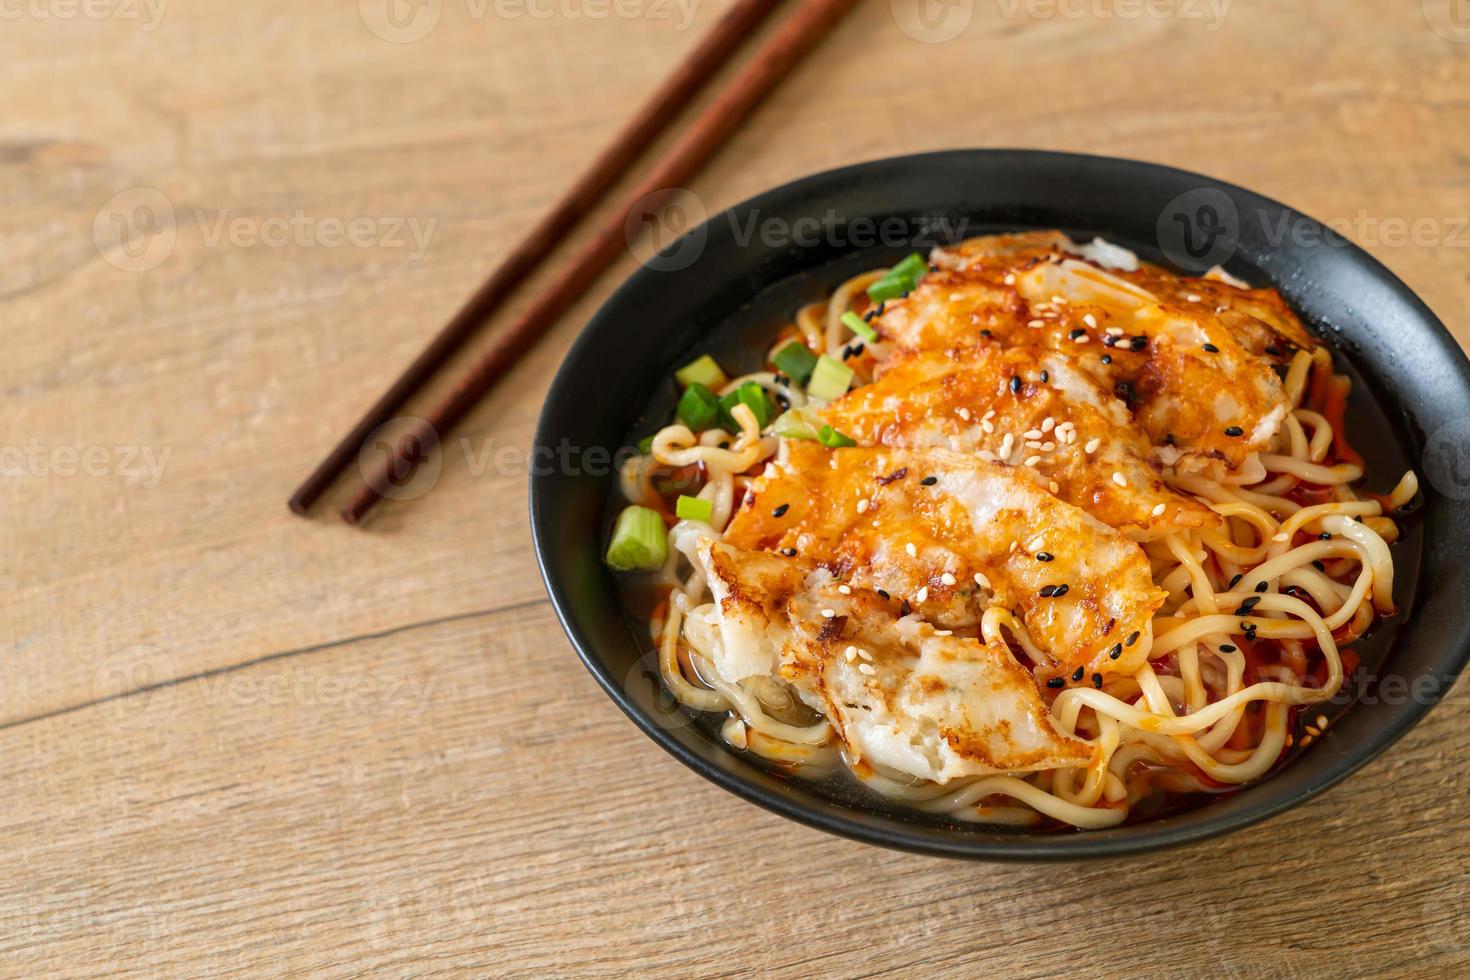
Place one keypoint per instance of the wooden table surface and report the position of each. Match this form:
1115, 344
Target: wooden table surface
236, 740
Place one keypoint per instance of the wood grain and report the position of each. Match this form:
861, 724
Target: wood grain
236, 741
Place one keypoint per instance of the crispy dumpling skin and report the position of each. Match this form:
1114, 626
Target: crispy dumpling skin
1189, 382
919, 525
1074, 433
899, 695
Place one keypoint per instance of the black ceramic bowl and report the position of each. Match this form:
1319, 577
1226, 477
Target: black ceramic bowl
744, 271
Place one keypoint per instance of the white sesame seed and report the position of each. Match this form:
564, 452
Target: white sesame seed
1032, 444
1031, 461
1091, 446
1035, 543
867, 669
963, 413
1031, 434
1090, 320
1010, 279
989, 415
1006, 445
863, 506
1059, 300
1048, 446
947, 579
944, 632
1052, 486
913, 552
1120, 479
850, 653
1048, 423
828, 613
845, 589
982, 581
1158, 510
1033, 324
987, 426
922, 595
1083, 339
1115, 331
987, 455
1193, 297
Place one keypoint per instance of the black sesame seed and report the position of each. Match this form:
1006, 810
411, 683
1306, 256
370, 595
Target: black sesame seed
1045, 377
1319, 566
1045, 556
884, 593
782, 380
929, 481
1107, 358
1139, 342
1235, 581
781, 511
986, 334
1274, 351
868, 316
783, 401
1015, 382
1212, 348
1132, 638
1097, 681
1055, 682
904, 608
1261, 586
1247, 605
1079, 332
879, 311
1227, 648
1234, 431
1116, 651
1077, 674
1047, 591
1324, 536
789, 552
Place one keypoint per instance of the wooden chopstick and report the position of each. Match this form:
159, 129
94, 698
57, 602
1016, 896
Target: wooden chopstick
713, 51
718, 120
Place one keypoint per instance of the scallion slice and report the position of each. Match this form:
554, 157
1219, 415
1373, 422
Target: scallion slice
899, 280
795, 423
887, 288
830, 379
693, 508
702, 370
795, 361
698, 407
859, 326
751, 395
833, 439
640, 542
911, 268
645, 445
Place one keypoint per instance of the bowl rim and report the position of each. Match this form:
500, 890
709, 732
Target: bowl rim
843, 821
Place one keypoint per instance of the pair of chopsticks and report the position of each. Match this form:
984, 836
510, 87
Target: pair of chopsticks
705, 135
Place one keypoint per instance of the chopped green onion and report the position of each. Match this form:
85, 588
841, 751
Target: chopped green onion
887, 288
833, 439
698, 407
645, 445
795, 423
899, 280
859, 326
751, 395
830, 379
693, 509
911, 268
702, 370
795, 361
640, 542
